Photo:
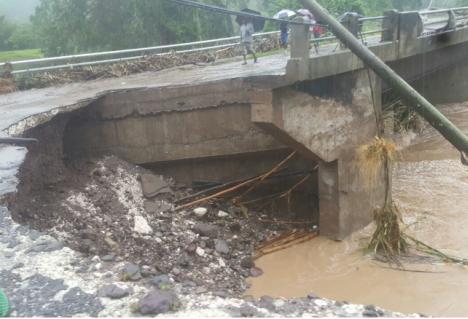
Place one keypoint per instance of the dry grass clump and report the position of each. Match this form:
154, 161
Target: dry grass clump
373, 157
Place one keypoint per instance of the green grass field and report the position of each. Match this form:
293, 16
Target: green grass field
8, 56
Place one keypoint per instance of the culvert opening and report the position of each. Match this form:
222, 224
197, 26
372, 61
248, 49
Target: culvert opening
103, 205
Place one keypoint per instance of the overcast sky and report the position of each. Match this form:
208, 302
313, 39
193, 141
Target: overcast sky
18, 10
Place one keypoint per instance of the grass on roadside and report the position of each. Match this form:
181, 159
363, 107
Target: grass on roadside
9, 56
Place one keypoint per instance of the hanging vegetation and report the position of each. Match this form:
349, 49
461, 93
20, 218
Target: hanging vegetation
375, 161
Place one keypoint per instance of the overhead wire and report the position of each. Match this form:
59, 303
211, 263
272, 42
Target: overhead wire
204, 6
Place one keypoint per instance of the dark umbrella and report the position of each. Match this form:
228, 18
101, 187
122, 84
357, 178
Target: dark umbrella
258, 24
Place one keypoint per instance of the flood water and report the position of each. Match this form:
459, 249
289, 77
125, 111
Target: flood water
430, 186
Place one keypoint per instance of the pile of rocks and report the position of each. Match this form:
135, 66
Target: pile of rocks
121, 212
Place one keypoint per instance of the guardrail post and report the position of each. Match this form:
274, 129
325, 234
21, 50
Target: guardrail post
390, 26
452, 23
411, 27
298, 65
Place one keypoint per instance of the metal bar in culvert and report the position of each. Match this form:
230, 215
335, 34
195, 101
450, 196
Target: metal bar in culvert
18, 141
415, 100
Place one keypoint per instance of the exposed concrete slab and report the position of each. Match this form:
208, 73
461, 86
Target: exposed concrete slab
209, 132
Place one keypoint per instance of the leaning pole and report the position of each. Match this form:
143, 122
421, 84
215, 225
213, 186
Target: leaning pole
415, 100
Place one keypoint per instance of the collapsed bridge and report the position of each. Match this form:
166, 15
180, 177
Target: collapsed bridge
202, 122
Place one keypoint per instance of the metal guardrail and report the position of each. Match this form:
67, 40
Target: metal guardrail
70, 61
443, 20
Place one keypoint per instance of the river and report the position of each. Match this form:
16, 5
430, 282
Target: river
430, 186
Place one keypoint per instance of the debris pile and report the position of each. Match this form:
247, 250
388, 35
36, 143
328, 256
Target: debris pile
151, 63
123, 212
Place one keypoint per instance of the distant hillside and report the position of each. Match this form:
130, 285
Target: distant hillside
18, 10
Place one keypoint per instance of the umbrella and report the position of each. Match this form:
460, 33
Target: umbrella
306, 13
284, 14
258, 24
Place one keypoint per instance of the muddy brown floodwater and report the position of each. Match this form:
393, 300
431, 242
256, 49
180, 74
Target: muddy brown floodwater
431, 189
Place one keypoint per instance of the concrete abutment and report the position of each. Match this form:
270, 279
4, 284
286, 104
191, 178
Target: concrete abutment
329, 131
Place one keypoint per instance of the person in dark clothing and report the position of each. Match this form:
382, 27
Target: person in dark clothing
284, 35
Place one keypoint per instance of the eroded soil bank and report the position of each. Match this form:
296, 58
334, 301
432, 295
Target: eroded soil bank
430, 185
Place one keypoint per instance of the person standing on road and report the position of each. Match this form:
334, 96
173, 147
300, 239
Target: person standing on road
284, 35
246, 36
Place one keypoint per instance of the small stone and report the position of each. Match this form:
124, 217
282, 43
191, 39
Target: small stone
247, 262
222, 214
108, 258
247, 310
200, 211
370, 313
200, 252
220, 293
98, 266
256, 272
113, 291
34, 234
320, 302
279, 303
46, 246
267, 302
157, 302
18, 265
176, 271
206, 230
141, 225
201, 290
131, 272
312, 296
161, 281
370, 307
221, 262
236, 227
153, 185
221, 246
189, 284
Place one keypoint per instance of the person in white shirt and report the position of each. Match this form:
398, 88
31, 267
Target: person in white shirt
246, 36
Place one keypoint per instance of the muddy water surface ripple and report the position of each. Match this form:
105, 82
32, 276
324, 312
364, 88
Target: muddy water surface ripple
431, 188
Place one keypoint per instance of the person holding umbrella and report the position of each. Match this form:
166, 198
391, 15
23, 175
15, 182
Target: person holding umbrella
284, 26
246, 37
315, 28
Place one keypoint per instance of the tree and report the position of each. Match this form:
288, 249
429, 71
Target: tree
71, 26
6, 30
23, 37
